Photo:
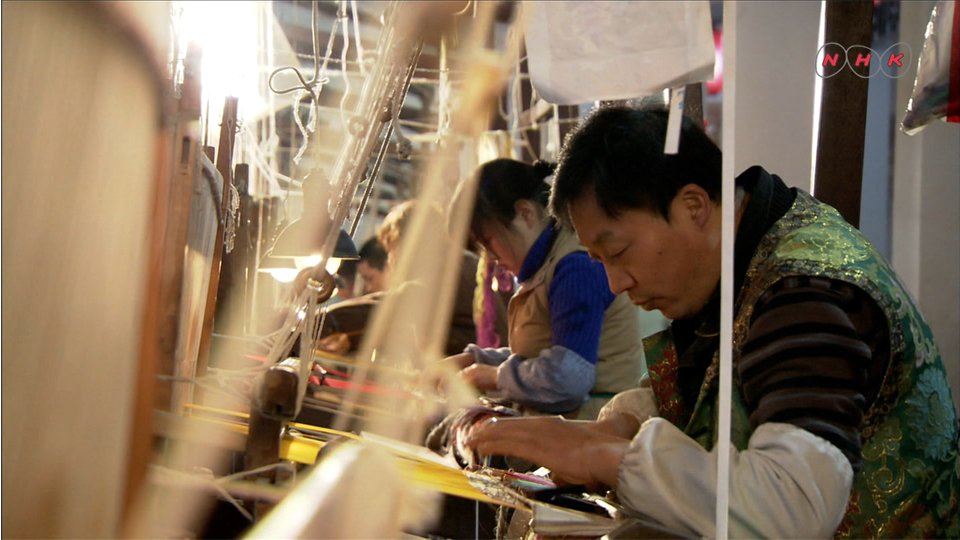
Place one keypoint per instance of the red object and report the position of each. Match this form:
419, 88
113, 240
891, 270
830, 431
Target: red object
716, 85
953, 94
322, 379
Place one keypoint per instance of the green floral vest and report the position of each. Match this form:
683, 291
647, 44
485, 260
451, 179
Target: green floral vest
911, 473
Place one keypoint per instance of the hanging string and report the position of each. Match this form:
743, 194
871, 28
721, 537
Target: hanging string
465, 8
260, 158
443, 116
222, 389
517, 96
314, 86
342, 14
221, 485
404, 146
291, 468
356, 37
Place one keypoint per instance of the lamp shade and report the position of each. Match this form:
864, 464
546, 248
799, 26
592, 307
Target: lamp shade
297, 241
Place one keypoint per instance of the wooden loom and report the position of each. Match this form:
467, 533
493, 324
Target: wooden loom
128, 283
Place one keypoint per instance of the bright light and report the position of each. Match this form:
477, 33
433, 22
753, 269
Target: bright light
283, 275
333, 265
304, 262
228, 34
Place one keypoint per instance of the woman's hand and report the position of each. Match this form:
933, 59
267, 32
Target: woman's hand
459, 361
574, 453
436, 375
482, 376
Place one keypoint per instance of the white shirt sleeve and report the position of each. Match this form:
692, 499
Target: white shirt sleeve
637, 402
788, 483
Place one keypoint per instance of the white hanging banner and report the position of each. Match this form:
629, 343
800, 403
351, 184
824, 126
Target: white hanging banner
579, 52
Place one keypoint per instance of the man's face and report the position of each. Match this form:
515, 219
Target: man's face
373, 279
671, 266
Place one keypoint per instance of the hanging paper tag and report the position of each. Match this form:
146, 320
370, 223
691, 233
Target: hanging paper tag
673, 121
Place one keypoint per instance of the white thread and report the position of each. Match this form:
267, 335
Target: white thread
356, 37
343, 60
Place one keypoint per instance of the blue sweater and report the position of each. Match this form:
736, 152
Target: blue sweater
578, 297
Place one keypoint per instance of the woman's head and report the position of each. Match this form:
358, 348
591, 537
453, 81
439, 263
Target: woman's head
396, 224
510, 209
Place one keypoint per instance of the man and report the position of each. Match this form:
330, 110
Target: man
372, 266
842, 421
346, 280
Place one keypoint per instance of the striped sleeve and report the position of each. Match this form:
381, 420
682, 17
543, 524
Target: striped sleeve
807, 360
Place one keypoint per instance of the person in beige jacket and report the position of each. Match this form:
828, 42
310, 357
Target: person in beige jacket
572, 343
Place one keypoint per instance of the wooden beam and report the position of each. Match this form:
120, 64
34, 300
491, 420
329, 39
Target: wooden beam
531, 153
231, 313
567, 112
228, 127
693, 103
184, 167
843, 112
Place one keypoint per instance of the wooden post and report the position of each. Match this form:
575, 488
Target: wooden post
843, 112
567, 113
224, 166
532, 136
244, 247
231, 313
693, 103
184, 167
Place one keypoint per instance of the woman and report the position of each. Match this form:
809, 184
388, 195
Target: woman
573, 344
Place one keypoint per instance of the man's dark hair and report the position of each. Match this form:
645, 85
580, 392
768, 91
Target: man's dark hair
503, 182
348, 269
373, 254
618, 151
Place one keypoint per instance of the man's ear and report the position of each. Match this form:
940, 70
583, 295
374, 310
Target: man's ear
695, 205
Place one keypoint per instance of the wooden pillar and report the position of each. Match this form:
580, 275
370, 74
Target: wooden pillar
231, 312
531, 153
184, 167
693, 103
843, 111
224, 166
246, 242
567, 113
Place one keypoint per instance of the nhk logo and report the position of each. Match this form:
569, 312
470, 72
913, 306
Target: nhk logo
865, 62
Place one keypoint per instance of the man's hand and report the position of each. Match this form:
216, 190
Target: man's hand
482, 376
338, 343
574, 453
620, 425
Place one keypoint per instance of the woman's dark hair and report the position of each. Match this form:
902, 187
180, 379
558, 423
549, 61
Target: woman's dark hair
503, 182
618, 151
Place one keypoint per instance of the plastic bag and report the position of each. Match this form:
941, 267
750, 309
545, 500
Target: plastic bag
936, 92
